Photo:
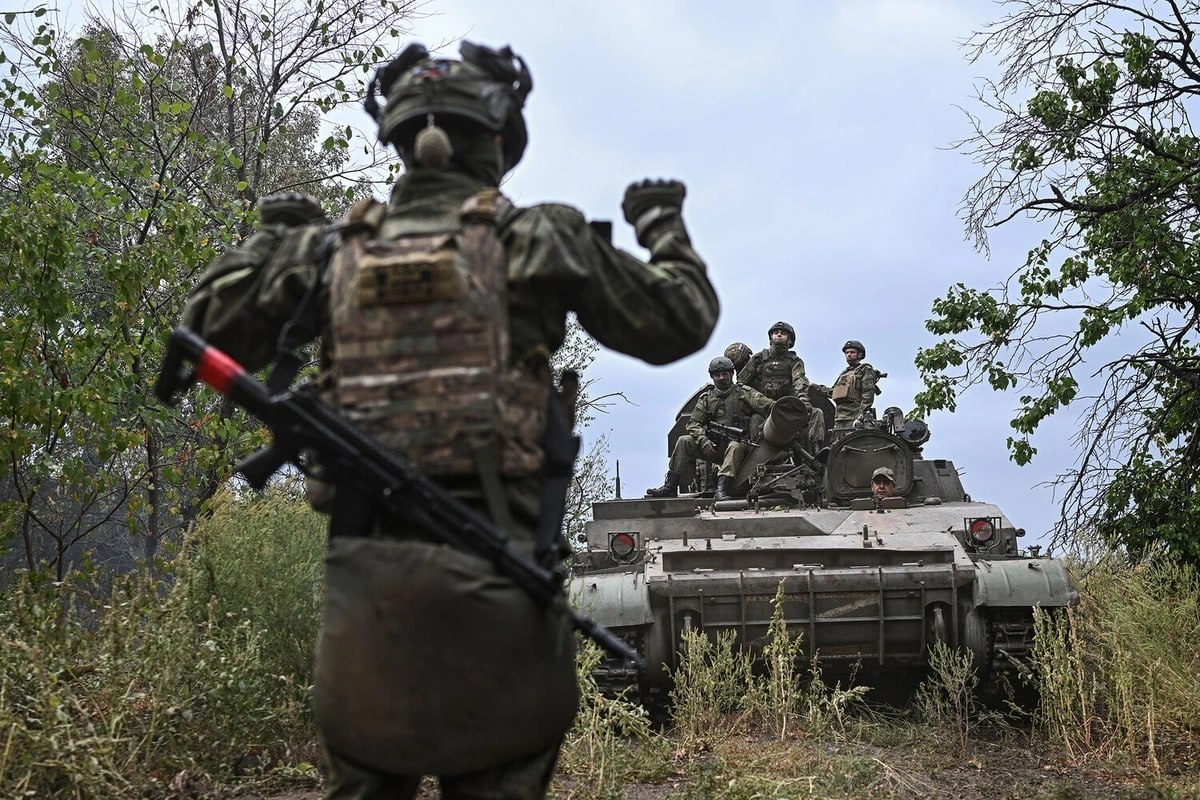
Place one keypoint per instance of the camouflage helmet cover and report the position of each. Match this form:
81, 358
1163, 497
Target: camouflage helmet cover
720, 364
786, 328
884, 472
487, 87
739, 353
856, 344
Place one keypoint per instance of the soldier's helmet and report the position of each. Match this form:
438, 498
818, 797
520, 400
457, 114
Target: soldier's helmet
739, 353
855, 343
487, 87
786, 328
720, 364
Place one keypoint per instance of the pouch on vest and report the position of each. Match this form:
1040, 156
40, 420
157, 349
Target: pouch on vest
841, 390
431, 663
420, 347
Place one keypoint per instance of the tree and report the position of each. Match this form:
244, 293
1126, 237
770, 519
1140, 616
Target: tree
1088, 134
132, 155
590, 482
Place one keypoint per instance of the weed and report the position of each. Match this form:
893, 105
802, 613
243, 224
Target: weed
712, 681
611, 742
1118, 673
114, 692
949, 697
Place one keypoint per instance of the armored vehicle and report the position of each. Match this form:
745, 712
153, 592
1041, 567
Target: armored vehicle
869, 583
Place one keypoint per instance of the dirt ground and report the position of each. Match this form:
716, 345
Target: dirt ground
991, 772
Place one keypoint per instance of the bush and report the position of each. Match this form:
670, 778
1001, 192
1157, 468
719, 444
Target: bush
103, 696
1119, 673
612, 741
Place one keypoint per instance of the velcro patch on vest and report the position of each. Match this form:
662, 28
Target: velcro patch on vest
388, 277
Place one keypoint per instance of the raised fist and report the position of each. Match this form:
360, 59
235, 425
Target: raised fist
644, 195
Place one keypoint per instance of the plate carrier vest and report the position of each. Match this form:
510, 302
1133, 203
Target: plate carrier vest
775, 373
420, 344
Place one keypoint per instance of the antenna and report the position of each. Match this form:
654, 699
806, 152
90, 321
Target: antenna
618, 484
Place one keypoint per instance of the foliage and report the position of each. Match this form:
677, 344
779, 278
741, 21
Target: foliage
949, 698
110, 691
590, 482
778, 699
1087, 133
134, 153
711, 682
716, 679
612, 741
1118, 674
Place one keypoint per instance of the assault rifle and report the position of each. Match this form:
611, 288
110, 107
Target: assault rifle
727, 433
300, 422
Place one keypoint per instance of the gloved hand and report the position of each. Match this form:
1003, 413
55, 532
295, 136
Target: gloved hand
823, 389
708, 449
644, 195
290, 209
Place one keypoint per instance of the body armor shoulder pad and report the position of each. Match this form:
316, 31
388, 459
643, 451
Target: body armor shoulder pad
366, 214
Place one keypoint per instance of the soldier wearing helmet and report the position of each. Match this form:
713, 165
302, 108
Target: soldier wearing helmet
738, 353
855, 389
438, 313
777, 372
726, 403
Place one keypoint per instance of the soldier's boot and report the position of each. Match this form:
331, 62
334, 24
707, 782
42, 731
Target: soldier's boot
670, 487
722, 492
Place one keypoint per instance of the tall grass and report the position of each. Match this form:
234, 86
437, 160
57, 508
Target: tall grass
1120, 674
785, 694
611, 742
108, 696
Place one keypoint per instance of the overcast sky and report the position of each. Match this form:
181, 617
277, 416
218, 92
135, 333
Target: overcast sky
815, 140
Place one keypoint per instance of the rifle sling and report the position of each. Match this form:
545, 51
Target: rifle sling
488, 468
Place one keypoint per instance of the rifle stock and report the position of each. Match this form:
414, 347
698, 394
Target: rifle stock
299, 421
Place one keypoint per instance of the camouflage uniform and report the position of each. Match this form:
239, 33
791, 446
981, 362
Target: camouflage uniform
429, 661
734, 406
777, 372
853, 393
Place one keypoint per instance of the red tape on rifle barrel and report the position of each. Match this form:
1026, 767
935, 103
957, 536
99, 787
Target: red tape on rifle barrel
217, 369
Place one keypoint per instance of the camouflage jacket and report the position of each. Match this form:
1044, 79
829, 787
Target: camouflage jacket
776, 374
737, 407
855, 389
658, 311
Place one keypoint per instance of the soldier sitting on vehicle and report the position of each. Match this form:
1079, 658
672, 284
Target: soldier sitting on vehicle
777, 372
739, 353
725, 404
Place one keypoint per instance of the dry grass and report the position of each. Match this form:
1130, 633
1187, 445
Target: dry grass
201, 690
